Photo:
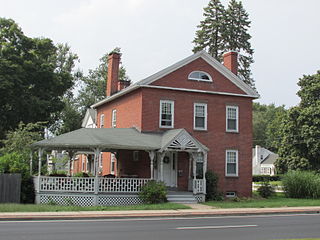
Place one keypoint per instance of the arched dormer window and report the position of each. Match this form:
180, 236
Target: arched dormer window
200, 76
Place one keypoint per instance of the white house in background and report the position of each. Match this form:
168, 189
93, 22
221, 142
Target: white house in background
89, 120
263, 161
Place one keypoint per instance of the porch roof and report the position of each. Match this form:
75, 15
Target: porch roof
107, 139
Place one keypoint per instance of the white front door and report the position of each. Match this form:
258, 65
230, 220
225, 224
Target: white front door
169, 169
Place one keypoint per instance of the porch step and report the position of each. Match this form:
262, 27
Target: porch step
181, 197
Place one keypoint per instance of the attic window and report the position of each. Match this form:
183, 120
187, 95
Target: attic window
200, 76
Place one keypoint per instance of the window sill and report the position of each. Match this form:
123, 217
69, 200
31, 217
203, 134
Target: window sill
231, 131
232, 176
200, 130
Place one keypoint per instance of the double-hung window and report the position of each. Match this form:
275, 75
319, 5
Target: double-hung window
112, 164
166, 114
232, 119
200, 116
114, 118
232, 163
102, 121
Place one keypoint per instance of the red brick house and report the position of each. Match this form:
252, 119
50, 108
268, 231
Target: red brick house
194, 116
197, 94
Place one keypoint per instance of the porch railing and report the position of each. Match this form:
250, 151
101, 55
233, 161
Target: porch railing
131, 185
198, 186
66, 184
87, 185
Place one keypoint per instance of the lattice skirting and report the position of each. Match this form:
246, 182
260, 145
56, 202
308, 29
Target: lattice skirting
88, 200
200, 197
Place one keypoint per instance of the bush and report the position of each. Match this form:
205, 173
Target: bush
59, 173
81, 174
263, 178
153, 192
266, 190
212, 187
301, 184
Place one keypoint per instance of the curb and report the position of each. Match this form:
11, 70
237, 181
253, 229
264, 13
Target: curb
172, 214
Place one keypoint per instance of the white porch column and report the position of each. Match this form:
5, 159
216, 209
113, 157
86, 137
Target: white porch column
205, 160
161, 165
194, 159
40, 152
31, 160
151, 155
96, 179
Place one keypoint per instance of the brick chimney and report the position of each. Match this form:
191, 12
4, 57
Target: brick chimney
123, 84
230, 60
113, 73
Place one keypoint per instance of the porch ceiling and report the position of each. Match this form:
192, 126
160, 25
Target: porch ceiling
106, 139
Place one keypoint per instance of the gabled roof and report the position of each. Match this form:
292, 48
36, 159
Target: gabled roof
107, 139
270, 159
90, 113
249, 92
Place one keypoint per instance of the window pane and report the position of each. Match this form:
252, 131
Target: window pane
199, 168
200, 122
204, 76
232, 168
232, 124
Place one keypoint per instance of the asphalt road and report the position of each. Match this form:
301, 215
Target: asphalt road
232, 227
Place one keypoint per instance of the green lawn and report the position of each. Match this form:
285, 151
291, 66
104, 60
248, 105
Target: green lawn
277, 201
56, 208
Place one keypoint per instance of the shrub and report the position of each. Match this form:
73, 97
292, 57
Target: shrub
212, 187
153, 192
263, 178
82, 174
301, 184
59, 173
266, 190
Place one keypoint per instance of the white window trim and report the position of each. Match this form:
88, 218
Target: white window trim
237, 118
101, 121
114, 118
199, 79
172, 111
205, 116
237, 164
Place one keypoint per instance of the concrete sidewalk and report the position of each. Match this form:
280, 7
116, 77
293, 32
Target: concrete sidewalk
197, 210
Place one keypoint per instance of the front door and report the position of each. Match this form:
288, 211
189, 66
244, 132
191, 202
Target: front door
169, 169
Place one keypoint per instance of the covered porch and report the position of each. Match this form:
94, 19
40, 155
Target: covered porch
173, 157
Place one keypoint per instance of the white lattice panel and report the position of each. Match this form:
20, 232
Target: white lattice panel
198, 185
131, 185
67, 184
118, 200
200, 197
67, 200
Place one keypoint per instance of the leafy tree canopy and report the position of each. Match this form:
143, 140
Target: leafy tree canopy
266, 125
300, 129
34, 75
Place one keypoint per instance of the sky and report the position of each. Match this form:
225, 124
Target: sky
154, 34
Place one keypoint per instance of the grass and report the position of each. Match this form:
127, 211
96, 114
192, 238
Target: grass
56, 208
279, 200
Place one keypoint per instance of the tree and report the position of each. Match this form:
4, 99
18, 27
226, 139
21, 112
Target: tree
266, 122
15, 155
237, 38
209, 33
92, 89
34, 75
300, 130
225, 30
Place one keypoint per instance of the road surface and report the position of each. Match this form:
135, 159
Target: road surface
231, 227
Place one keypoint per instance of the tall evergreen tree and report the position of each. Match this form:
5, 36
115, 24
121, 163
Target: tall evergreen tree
209, 33
225, 30
236, 38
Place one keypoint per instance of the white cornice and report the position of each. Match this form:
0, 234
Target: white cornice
199, 91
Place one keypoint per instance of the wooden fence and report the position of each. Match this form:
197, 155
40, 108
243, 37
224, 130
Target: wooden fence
10, 188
